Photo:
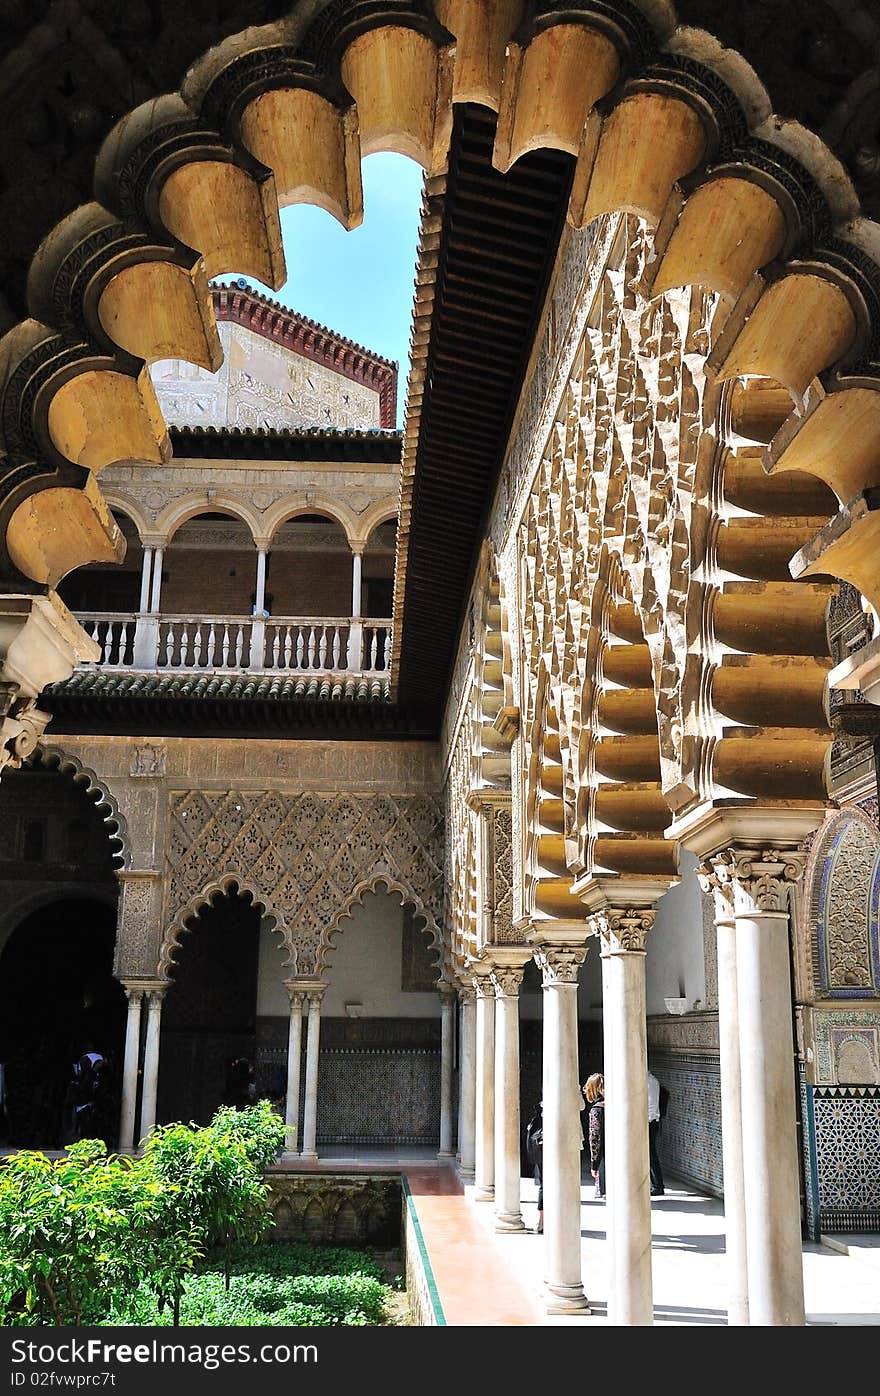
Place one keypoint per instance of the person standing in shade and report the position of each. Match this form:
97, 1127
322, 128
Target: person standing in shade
535, 1154
594, 1090
658, 1186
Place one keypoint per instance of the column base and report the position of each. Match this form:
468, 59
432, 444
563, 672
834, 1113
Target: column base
446, 1156
565, 1299
307, 1158
484, 1193
466, 1175
290, 1156
509, 1221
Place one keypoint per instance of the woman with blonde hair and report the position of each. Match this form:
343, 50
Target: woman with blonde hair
594, 1090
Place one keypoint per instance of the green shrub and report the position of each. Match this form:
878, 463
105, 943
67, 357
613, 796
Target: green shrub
76, 1232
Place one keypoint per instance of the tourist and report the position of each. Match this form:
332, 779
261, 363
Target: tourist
594, 1090
657, 1184
535, 1155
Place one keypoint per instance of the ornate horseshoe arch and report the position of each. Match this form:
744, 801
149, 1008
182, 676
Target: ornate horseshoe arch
219, 887
56, 758
667, 129
408, 898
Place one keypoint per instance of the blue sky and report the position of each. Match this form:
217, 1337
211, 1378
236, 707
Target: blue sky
359, 283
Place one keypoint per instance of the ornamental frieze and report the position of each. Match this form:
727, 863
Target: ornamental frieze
308, 859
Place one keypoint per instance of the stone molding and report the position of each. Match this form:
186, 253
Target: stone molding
692, 1032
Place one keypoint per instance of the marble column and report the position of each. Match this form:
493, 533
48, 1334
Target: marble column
564, 1289
146, 567
467, 1083
762, 882
310, 1115
484, 1162
156, 592
447, 1038
294, 1065
508, 1180
130, 1067
355, 585
627, 1172
260, 585
717, 881
155, 998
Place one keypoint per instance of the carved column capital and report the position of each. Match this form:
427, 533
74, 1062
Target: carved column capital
483, 986
559, 964
749, 880
466, 993
134, 992
506, 980
22, 725
622, 930
315, 993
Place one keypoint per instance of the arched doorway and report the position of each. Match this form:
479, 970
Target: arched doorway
58, 894
57, 996
210, 1012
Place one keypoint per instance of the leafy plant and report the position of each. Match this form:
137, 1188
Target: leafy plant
76, 1232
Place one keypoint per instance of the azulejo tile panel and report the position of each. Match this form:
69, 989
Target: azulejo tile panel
690, 1137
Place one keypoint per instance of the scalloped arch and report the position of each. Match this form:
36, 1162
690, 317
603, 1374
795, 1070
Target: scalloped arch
220, 886
55, 757
408, 898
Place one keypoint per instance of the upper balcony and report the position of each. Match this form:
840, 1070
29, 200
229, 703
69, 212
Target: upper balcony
212, 598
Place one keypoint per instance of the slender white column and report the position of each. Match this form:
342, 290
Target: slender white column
130, 1067
310, 1116
484, 1161
508, 1180
145, 579
355, 585
761, 885
156, 593
627, 1169
736, 1254
562, 1131
447, 1037
260, 596
294, 1063
155, 998
467, 1083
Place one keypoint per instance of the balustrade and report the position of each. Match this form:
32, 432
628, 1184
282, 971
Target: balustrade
278, 644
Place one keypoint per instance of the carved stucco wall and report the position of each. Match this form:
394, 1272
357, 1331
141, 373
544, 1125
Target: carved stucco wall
843, 906
307, 858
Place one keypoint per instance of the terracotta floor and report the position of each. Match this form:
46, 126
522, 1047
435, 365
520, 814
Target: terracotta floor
488, 1279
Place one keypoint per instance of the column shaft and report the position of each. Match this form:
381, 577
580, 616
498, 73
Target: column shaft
484, 1163
732, 1126
260, 588
447, 1034
773, 1223
467, 1082
626, 1139
294, 1063
129, 1069
151, 1062
145, 578
562, 1134
508, 1178
156, 592
310, 1117
355, 585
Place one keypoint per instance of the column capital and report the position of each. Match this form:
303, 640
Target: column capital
622, 930
466, 993
559, 964
749, 880
506, 980
447, 991
483, 986
297, 989
134, 990
314, 993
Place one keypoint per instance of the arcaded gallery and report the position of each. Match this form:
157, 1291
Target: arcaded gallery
433, 767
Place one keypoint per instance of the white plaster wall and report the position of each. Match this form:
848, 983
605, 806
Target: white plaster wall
675, 960
364, 967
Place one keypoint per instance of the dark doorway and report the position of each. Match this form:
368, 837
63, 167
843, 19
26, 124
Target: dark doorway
57, 995
210, 1014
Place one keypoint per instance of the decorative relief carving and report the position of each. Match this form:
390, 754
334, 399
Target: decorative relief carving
148, 760
507, 980
622, 930
308, 858
845, 1045
697, 1032
483, 986
559, 964
843, 907
502, 855
137, 940
759, 879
